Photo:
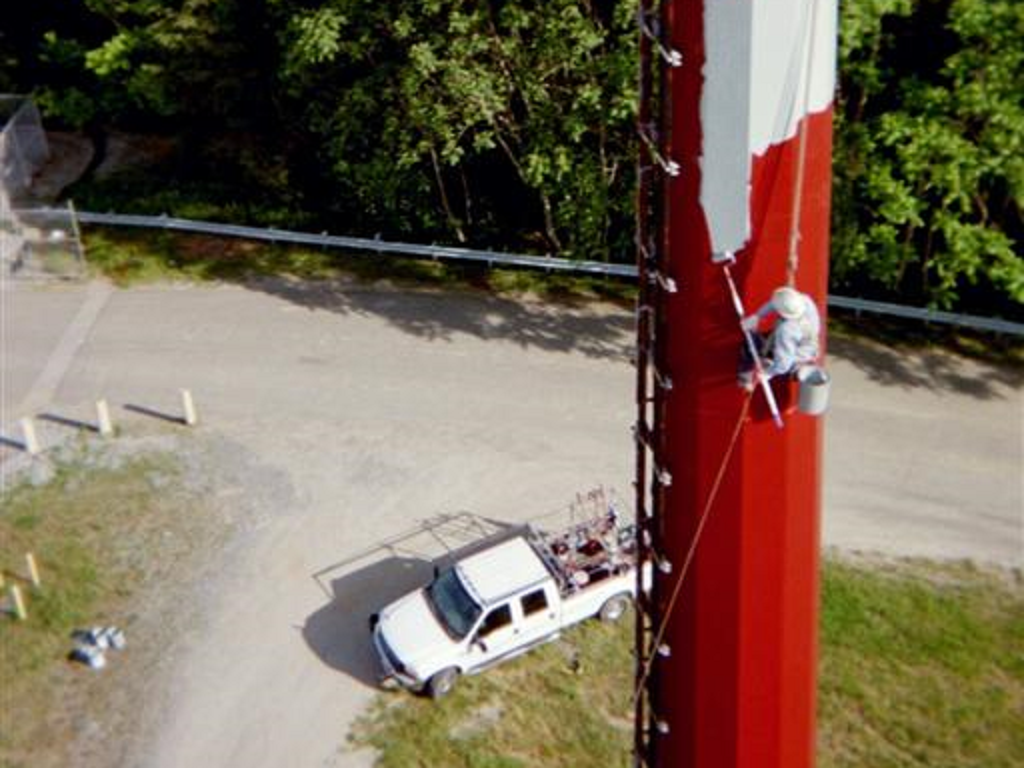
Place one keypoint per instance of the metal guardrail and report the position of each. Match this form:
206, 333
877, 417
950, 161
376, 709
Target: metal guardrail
359, 244
928, 315
491, 258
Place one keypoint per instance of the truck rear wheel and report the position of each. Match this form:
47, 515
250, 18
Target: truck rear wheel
613, 608
442, 683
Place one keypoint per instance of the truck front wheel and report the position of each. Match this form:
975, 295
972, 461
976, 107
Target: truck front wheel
613, 608
442, 683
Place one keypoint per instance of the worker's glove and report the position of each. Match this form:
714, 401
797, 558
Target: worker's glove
750, 322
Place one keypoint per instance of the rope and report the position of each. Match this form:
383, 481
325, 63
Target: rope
793, 256
677, 588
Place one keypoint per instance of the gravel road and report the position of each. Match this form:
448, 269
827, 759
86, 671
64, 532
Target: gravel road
361, 428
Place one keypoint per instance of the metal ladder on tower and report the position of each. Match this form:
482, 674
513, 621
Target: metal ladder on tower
655, 167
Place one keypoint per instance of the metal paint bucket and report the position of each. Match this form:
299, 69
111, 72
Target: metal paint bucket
815, 384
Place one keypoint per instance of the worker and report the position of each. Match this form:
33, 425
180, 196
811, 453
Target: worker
793, 342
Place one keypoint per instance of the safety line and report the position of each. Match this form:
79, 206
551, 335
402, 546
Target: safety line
660, 634
793, 256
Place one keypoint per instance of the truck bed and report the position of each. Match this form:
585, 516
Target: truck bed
587, 553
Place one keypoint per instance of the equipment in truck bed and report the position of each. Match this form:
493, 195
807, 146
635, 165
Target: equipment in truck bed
588, 552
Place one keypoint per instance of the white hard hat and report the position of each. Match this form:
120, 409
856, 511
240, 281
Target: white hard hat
789, 303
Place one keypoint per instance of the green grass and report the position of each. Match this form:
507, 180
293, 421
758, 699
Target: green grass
133, 258
922, 665
98, 533
566, 704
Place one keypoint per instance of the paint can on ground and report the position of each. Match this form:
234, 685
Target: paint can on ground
815, 384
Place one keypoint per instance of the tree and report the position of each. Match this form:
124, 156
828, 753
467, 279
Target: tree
448, 115
178, 61
510, 123
929, 160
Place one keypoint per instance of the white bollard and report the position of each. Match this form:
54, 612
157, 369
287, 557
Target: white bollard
103, 421
19, 602
28, 432
189, 407
33, 570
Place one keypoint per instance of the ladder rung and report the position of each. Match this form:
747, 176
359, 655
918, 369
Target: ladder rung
652, 29
665, 282
669, 166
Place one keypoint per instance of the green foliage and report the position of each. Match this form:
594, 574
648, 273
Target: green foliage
315, 37
930, 147
510, 124
234, 188
199, 64
452, 118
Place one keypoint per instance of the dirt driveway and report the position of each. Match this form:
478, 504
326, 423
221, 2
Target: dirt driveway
360, 428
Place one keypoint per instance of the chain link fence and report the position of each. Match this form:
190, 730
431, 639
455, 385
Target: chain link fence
43, 244
36, 243
23, 147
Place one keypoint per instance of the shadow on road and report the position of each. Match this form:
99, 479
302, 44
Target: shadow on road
439, 316
152, 413
64, 421
10, 442
597, 332
339, 633
934, 370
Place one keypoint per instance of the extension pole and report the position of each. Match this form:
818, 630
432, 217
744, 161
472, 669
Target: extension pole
737, 689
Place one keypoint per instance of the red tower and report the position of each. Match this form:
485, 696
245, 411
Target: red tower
736, 117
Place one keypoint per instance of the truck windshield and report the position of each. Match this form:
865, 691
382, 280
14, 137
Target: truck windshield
452, 605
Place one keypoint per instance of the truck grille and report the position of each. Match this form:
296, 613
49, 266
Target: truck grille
389, 655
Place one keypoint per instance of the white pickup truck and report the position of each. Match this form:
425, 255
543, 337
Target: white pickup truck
504, 599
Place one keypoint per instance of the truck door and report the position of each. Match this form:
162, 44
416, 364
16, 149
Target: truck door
496, 637
538, 614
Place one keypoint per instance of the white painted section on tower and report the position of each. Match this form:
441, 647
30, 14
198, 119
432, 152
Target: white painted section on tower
768, 64
725, 122
794, 66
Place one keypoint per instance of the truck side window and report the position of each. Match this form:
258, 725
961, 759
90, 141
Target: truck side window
496, 619
534, 602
